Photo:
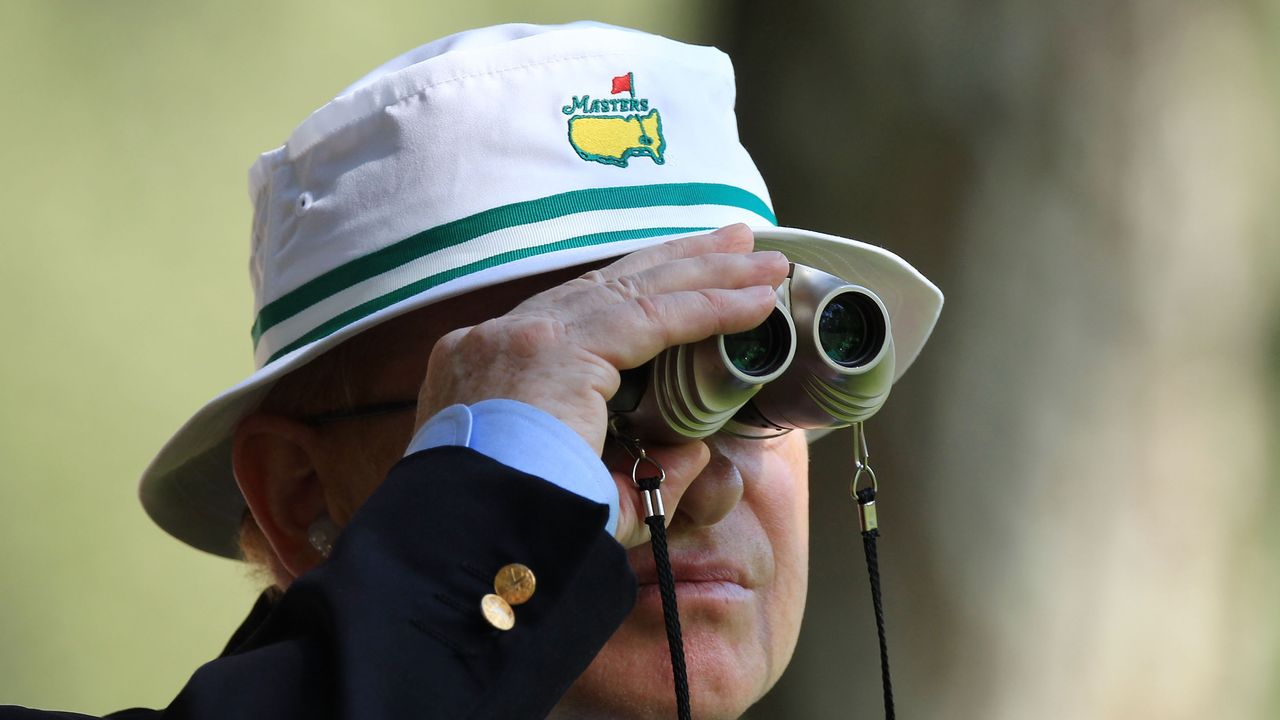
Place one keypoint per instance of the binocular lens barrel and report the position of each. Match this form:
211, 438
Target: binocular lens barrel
851, 329
690, 391
762, 349
823, 358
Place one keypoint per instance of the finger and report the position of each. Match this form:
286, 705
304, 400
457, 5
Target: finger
716, 270
729, 239
681, 465
629, 334
632, 275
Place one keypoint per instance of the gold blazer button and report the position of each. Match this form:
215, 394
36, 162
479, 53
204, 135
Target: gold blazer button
497, 612
515, 583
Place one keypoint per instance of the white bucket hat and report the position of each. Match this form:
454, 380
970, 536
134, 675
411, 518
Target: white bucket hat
479, 158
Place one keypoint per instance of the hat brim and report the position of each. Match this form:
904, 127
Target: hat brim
189, 489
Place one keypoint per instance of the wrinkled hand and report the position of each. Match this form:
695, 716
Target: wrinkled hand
561, 349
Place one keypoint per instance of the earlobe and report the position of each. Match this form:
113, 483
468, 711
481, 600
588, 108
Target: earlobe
276, 464
321, 535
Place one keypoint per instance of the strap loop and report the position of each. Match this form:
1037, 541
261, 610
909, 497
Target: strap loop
650, 487
866, 499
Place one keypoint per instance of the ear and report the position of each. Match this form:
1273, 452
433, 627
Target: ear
276, 462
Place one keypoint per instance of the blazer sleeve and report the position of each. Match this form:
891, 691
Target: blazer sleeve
390, 625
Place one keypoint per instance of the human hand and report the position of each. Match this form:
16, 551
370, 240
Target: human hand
561, 349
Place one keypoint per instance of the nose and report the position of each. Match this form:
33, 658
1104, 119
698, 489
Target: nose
713, 493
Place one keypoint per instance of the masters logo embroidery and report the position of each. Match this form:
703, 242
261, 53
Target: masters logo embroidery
612, 139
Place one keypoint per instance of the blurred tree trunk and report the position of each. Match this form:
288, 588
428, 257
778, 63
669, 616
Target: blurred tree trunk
1076, 481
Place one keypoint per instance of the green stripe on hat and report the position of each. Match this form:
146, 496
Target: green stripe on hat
482, 223
386, 300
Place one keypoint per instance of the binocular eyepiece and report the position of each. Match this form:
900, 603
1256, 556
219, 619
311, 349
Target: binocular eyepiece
823, 358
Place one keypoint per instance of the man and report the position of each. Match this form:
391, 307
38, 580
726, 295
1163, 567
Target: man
433, 260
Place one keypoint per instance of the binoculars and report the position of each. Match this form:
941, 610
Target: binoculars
823, 359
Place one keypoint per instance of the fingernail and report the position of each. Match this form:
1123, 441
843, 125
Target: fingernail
771, 256
729, 229
761, 292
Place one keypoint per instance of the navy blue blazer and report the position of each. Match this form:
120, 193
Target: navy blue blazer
389, 627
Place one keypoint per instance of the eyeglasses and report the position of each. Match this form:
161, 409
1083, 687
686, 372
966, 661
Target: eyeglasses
361, 411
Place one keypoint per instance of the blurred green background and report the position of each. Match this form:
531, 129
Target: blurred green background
1079, 473
128, 129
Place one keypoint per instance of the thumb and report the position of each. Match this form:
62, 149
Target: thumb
681, 464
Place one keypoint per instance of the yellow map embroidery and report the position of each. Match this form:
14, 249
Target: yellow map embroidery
611, 139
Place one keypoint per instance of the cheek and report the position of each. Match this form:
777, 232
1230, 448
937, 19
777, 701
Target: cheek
359, 461
777, 494
780, 488
779, 497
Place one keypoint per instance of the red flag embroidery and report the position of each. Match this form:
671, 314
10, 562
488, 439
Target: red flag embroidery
622, 83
